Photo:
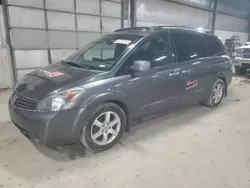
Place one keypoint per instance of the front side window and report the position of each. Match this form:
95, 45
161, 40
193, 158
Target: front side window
104, 53
188, 45
157, 50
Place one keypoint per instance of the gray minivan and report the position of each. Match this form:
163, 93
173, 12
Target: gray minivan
93, 96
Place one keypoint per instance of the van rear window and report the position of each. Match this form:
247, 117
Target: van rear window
212, 46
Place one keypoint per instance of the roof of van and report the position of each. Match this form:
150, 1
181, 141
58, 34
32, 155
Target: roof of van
148, 30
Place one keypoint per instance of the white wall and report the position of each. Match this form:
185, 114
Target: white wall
228, 26
159, 12
229, 23
227, 34
5, 68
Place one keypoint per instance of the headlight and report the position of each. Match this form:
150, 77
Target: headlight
60, 101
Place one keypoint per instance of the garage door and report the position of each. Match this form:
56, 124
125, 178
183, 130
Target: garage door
46, 31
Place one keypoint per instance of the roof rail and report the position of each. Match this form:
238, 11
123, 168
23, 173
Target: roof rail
133, 29
147, 28
177, 26
185, 27
151, 28
169, 26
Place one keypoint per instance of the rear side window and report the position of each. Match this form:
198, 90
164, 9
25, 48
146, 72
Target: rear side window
188, 45
212, 46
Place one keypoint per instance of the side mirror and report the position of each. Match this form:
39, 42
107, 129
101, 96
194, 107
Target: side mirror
141, 66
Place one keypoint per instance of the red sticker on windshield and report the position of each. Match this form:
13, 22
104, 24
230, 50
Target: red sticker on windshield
51, 74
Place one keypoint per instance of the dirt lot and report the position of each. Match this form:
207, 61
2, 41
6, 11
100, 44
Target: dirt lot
197, 147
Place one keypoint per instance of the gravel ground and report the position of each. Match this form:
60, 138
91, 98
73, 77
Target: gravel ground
196, 147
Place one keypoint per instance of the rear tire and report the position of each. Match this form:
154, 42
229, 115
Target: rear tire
240, 70
104, 128
217, 93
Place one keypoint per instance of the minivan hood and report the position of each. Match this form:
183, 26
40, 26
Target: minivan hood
41, 82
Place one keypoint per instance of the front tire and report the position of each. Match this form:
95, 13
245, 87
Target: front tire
104, 128
217, 93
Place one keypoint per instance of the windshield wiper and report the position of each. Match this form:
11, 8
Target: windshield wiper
102, 60
75, 64
83, 66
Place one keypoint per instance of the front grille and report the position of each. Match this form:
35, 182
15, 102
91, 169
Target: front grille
247, 50
25, 103
246, 56
246, 53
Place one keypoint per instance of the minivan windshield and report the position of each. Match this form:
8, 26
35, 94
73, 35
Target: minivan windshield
104, 53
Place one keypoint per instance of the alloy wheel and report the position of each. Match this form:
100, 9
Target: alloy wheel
105, 128
218, 93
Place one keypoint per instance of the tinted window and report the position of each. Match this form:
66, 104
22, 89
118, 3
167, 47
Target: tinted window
188, 45
212, 46
157, 51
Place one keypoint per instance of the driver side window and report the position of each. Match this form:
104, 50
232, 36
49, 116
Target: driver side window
157, 51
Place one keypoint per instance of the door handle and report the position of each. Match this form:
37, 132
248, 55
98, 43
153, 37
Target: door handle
174, 73
196, 63
186, 71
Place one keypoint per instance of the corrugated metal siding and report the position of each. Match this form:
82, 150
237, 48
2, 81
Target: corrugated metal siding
237, 8
204, 4
229, 23
161, 12
227, 34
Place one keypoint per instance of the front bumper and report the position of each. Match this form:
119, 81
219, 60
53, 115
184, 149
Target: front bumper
242, 62
50, 128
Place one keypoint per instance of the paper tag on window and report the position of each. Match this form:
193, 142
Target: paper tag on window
120, 41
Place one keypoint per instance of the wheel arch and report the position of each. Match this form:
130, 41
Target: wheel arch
223, 78
113, 97
124, 107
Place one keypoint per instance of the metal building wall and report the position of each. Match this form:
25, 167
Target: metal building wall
235, 8
160, 12
5, 63
44, 31
232, 17
228, 26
